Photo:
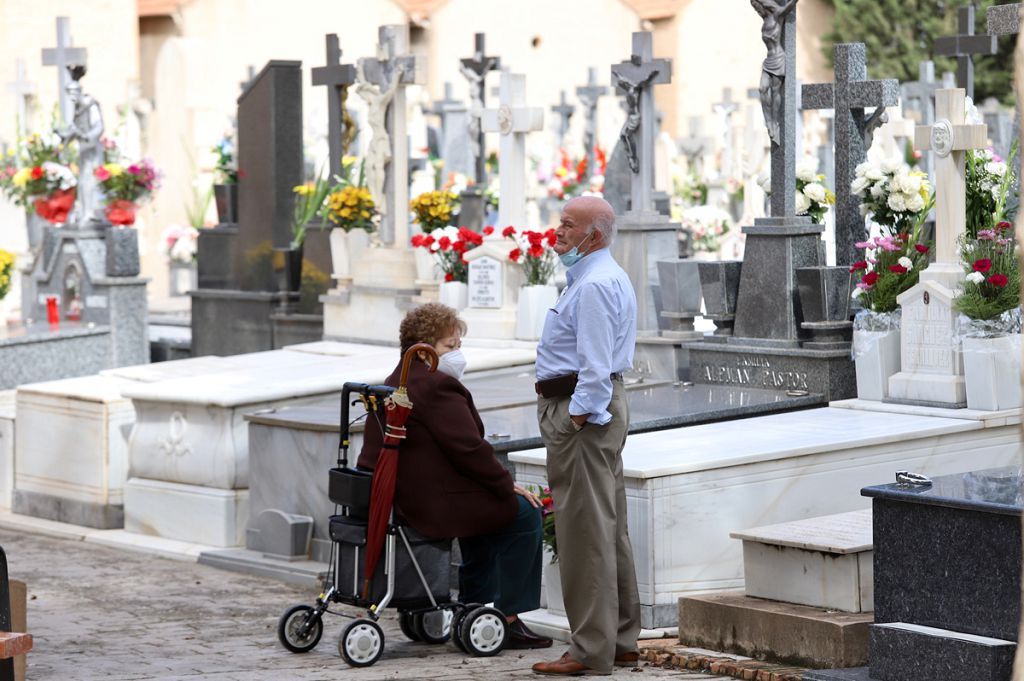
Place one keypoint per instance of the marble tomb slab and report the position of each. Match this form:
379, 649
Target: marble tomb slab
687, 488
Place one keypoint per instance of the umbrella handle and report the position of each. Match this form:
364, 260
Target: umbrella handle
407, 360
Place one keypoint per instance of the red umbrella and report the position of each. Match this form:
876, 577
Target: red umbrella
382, 493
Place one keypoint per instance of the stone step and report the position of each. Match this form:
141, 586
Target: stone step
823, 562
793, 634
907, 652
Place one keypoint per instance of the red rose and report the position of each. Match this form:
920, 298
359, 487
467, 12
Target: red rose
448, 276
417, 240
515, 254
983, 265
37, 173
999, 280
898, 269
870, 278
445, 243
920, 248
508, 231
1003, 226
488, 230
859, 265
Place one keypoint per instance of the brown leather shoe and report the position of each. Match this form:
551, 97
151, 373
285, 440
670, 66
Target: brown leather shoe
627, 659
566, 666
520, 637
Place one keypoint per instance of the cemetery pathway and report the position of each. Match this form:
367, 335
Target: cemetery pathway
100, 613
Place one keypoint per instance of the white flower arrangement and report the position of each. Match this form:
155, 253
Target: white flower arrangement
892, 193
706, 226
180, 244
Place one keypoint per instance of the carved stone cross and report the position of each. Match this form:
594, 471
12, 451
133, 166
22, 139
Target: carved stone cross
24, 90
475, 69
513, 120
336, 77
963, 46
63, 56
564, 110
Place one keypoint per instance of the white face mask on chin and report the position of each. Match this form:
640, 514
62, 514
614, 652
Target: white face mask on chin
452, 363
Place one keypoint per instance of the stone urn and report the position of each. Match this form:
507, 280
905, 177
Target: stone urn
720, 285
225, 196
825, 306
122, 251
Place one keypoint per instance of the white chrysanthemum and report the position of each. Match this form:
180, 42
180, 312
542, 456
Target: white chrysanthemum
874, 173
803, 204
864, 210
915, 204
862, 168
807, 169
976, 277
996, 168
892, 165
896, 202
906, 262
906, 182
815, 192
877, 190
859, 185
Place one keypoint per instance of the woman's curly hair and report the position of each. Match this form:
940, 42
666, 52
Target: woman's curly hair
429, 323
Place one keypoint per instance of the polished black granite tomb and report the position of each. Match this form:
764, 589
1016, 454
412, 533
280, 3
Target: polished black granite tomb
947, 576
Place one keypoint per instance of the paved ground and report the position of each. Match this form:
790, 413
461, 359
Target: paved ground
100, 613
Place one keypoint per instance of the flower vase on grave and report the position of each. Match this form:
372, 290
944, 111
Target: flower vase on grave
534, 303
183, 277
287, 264
121, 212
876, 352
454, 294
56, 207
226, 198
992, 364
553, 584
347, 247
122, 251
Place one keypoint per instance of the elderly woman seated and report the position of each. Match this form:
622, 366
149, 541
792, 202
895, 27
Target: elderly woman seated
450, 484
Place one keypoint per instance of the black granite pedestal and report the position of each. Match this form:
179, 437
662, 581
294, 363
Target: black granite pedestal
947, 570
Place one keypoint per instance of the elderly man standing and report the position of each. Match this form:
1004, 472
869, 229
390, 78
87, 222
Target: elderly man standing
588, 341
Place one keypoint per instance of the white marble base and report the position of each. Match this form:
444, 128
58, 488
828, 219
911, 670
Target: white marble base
992, 372
932, 388
7, 411
877, 359
367, 314
72, 439
556, 626
189, 513
821, 562
688, 488
487, 323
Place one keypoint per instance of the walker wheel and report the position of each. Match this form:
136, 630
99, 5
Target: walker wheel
299, 629
434, 626
460, 615
405, 624
361, 643
484, 632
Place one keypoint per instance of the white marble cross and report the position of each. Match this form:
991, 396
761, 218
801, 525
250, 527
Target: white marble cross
63, 56
948, 138
724, 110
392, 69
24, 90
513, 119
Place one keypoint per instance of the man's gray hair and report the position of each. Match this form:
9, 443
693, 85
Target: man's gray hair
606, 225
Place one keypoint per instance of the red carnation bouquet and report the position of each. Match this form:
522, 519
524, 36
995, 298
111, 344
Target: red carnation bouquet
534, 252
449, 246
992, 284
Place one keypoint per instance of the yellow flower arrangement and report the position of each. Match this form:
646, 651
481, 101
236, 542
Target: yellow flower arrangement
6, 268
351, 207
434, 209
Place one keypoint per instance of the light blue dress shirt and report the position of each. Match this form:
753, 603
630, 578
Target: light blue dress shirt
591, 331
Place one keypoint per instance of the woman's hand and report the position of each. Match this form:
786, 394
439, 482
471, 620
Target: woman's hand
528, 495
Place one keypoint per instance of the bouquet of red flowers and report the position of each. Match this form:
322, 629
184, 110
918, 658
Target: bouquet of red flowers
449, 246
534, 252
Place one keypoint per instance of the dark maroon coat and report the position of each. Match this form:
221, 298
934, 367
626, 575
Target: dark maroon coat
450, 484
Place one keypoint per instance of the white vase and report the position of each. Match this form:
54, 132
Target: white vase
553, 585
878, 358
183, 278
454, 294
346, 248
992, 372
534, 303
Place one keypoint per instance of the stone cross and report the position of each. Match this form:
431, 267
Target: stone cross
513, 119
922, 91
453, 143
23, 90
336, 77
848, 96
725, 110
564, 111
948, 138
588, 95
475, 70
389, 72
635, 78
779, 95
1005, 20
963, 45
695, 145
63, 56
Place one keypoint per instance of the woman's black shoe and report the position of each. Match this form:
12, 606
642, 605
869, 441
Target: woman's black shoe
521, 638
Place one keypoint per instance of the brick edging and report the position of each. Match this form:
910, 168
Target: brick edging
747, 670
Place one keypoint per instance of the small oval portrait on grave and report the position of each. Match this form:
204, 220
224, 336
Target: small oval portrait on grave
942, 137
505, 119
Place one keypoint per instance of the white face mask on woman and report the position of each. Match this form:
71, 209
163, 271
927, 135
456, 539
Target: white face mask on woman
452, 363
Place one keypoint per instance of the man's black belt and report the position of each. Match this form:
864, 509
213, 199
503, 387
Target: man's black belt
563, 386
